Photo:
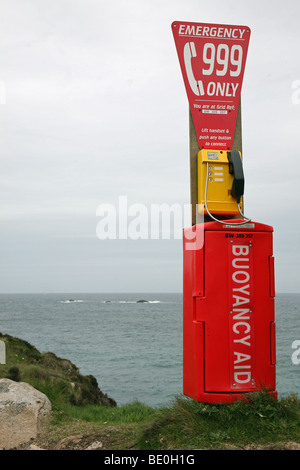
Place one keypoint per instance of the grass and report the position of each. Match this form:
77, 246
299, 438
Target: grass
57, 378
131, 413
118, 428
261, 422
80, 408
187, 424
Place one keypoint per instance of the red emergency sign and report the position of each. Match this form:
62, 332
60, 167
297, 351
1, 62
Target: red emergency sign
228, 311
212, 59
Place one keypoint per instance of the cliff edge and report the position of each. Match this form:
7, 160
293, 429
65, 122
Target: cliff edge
58, 378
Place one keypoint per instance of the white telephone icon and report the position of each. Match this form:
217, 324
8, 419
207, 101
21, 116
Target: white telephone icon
189, 51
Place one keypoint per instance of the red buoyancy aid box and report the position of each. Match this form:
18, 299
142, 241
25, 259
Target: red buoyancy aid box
228, 311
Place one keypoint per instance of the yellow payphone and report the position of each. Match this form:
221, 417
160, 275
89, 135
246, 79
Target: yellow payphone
220, 182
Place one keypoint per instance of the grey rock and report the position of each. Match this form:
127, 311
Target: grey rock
23, 413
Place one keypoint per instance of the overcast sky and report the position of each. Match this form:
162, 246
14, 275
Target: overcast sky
95, 108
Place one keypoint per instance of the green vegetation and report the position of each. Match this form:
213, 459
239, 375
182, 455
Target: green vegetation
131, 413
81, 409
187, 424
57, 378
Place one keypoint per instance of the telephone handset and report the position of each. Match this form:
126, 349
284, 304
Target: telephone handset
189, 51
221, 184
236, 169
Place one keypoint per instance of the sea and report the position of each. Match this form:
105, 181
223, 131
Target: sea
132, 343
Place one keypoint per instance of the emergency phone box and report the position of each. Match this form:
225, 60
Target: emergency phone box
228, 311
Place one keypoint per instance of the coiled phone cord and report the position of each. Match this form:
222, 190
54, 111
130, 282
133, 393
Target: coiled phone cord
217, 220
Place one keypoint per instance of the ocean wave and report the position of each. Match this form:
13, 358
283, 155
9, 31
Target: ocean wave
131, 301
141, 301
